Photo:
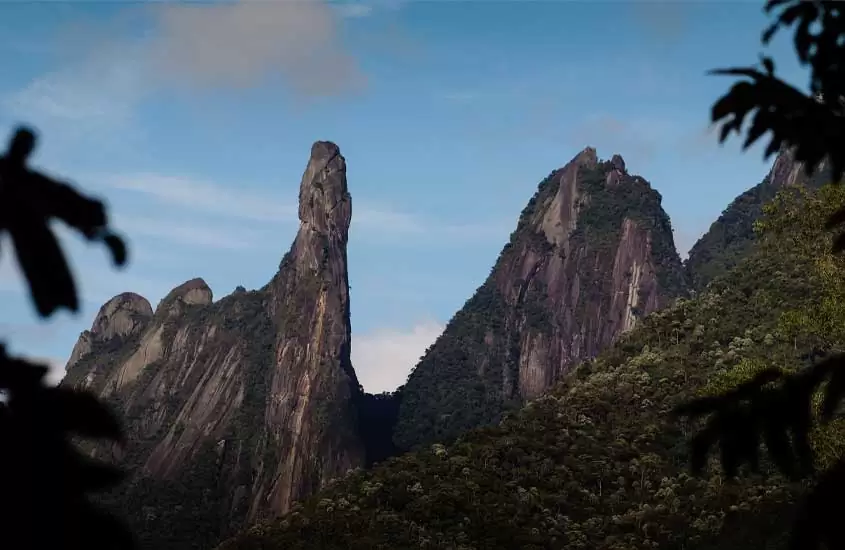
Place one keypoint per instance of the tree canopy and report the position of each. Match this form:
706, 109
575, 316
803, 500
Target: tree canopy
777, 408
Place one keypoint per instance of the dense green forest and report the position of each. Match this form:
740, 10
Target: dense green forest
599, 462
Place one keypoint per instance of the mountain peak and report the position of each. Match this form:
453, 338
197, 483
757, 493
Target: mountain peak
324, 201
116, 317
587, 156
123, 316
618, 163
194, 292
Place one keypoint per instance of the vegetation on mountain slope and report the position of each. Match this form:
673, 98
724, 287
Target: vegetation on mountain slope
599, 463
187, 511
470, 376
731, 237
780, 408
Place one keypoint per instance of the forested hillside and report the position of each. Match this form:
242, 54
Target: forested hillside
599, 462
731, 237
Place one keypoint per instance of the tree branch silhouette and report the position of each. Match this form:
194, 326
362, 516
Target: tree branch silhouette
46, 480
776, 408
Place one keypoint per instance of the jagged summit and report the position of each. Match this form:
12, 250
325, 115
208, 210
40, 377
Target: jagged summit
593, 251
114, 317
122, 317
190, 293
237, 408
324, 200
587, 156
325, 212
618, 162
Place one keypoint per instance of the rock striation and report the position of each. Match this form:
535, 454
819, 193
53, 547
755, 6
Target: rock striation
592, 252
239, 407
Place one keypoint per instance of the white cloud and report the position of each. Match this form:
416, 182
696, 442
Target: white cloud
383, 358
108, 72
240, 43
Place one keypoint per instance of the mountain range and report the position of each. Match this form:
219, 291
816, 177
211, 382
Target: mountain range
536, 420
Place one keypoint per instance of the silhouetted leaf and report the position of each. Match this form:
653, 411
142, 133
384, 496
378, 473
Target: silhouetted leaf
28, 201
82, 413
87, 474
47, 480
44, 267
117, 248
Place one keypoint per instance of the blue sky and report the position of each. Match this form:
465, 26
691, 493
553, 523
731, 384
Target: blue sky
195, 121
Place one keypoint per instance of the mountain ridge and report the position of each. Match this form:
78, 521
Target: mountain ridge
599, 461
214, 393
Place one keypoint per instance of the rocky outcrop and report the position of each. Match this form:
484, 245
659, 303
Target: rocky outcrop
731, 237
592, 252
239, 407
118, 324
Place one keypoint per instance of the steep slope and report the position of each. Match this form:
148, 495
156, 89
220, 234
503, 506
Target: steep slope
238, 407
731, 236
599, 462
592, 252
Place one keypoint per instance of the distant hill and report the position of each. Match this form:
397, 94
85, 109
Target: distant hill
731, 236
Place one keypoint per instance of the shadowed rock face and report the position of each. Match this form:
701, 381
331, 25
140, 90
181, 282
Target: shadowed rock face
592, 252
245, 404
731, 237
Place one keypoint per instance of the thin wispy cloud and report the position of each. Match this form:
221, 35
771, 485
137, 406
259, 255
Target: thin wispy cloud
233, 237
640, 136
255, 207
221, 45
458, 96
355, 10
205, 197
240, 43
98, 95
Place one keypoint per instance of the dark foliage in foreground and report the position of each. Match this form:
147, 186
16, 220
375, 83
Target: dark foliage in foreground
45, 480
775, 408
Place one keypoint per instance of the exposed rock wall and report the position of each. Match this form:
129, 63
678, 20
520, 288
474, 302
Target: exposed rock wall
592, 252
253, 394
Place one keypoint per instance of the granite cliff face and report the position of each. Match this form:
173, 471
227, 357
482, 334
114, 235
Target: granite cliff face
730, 238
592, 252
239, 407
